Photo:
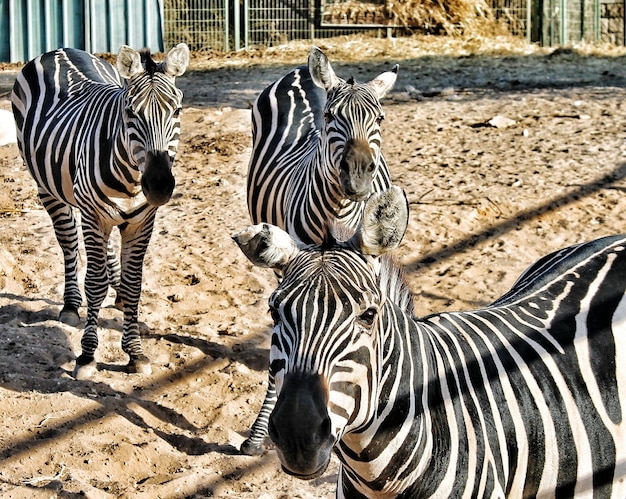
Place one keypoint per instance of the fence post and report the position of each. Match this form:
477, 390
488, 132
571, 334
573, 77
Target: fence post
529, 19
226, 27
563, 32
246, 24
236, 25
312, 15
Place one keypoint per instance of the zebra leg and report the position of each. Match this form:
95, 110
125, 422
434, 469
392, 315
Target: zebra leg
66, 232
114, 270
253, 445
135, 239
96, 288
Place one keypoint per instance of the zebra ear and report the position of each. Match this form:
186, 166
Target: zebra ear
385, 219
384, 82
176, 61
321, 71
128, 62
266, 245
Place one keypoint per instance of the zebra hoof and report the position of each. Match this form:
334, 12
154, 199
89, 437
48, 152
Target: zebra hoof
249, 448
69, 315
84, 371
139, 365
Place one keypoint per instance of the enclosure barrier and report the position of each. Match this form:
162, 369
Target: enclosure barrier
30, 27
235, 24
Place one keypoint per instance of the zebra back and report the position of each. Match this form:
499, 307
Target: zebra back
532, 385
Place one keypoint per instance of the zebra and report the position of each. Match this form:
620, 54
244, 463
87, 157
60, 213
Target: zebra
316, 149
525, 397
101, 139
316, 157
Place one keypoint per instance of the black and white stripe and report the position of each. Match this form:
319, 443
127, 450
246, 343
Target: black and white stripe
316, 158
101, 139
524, 398
316, 153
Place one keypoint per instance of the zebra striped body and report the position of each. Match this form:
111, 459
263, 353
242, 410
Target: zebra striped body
524, 398
316, 157
101, 139
316, 152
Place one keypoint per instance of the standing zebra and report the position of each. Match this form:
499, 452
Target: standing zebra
524, 398
316, 157
316, 149
103, 141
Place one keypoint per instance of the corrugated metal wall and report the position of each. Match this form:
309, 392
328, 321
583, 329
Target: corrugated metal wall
29, 28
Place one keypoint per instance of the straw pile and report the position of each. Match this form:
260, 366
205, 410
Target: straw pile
437, 16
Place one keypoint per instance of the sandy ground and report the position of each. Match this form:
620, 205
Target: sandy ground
486, 201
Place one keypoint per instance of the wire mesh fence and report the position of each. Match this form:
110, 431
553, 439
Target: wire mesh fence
201, 24
515, 15
612, 22
272, 22
234, 24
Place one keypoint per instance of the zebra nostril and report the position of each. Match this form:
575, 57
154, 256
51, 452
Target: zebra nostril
323, 431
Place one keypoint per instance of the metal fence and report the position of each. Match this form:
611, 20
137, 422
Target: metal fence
234, 24
554, 22
30, 27
201, 24
612, 21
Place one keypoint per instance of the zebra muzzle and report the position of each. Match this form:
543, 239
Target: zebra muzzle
157, 180
357, 169
300, 427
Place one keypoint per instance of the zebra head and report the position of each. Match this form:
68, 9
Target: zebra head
352, 118
327, 311
152, 105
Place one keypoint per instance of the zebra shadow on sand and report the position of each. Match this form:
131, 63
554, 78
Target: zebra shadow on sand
607, 181
44, 348
47, 374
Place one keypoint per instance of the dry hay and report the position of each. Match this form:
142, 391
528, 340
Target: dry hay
450, 17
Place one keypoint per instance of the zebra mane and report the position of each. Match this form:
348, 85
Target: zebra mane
150, 66
391, 278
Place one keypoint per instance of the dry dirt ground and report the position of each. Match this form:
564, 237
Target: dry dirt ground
486, 201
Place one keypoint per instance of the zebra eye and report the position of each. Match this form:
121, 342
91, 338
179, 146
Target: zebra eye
328, 116
368, 317
380, 119
275, 315
176, 113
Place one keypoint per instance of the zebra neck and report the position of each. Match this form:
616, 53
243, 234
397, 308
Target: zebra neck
401, 428
415, 415
311, 213
342, 209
